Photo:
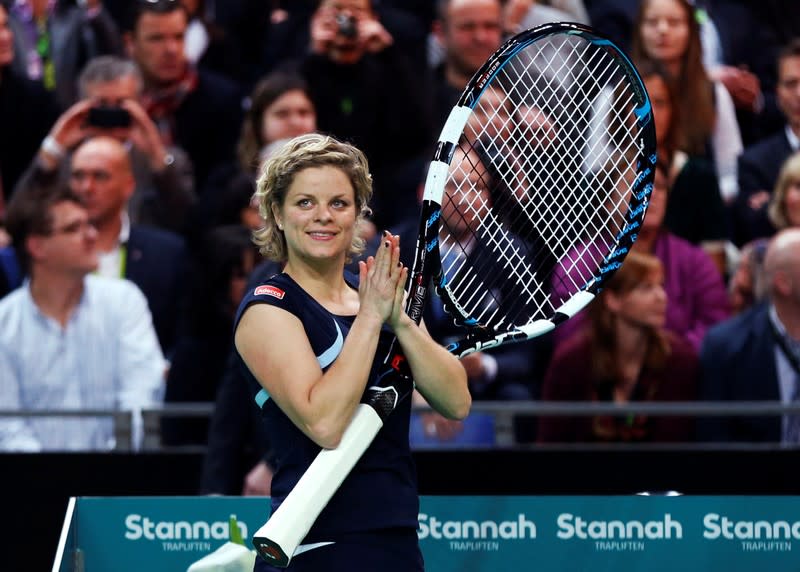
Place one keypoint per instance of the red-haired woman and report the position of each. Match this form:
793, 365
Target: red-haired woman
623, 354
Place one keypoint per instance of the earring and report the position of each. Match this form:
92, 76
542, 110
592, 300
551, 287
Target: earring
280, 226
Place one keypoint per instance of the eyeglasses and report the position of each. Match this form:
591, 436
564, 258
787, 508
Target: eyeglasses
72, 228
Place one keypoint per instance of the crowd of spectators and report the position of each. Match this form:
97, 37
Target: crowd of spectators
145, 123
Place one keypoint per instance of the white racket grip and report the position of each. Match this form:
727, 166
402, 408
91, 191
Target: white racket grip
280, 536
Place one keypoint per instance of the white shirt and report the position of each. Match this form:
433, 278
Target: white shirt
107, 357
794, 140
111, 263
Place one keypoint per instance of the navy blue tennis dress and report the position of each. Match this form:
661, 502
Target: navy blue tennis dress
371, 521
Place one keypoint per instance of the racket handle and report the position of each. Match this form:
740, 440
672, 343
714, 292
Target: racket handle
278, 538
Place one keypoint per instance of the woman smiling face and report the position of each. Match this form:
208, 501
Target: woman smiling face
318, 216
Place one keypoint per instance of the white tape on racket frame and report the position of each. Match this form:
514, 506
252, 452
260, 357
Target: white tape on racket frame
454, 126
434, 182
576, 303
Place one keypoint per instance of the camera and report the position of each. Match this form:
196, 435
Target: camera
109, 117
347, 26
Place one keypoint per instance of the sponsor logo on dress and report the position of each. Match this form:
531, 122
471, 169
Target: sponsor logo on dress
269, 291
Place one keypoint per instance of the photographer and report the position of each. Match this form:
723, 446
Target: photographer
366, 91
110, 88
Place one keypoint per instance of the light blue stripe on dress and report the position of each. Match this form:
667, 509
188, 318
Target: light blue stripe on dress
324, 359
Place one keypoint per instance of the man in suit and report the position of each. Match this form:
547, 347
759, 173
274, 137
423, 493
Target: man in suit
511, 372
760, 164
755, 356
153, 259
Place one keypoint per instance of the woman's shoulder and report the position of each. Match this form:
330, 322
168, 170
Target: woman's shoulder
273, 290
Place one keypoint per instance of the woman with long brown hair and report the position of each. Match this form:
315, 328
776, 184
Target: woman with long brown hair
695, 210
666, 31
623, 354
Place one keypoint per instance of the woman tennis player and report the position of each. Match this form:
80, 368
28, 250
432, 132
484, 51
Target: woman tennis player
312, 338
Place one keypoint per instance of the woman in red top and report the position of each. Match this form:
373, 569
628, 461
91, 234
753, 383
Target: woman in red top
623, 354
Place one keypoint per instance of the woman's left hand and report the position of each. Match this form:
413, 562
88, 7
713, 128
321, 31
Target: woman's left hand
398, 317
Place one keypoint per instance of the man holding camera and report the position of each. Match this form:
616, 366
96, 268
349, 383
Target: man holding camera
365, 90
110, 88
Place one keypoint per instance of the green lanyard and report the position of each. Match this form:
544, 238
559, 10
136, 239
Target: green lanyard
123, 259
43, 49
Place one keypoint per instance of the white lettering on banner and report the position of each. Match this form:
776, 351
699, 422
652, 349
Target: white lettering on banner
717, 526
619, 546
761, 546
138, 526
430, 526
574, 526
475, 545
186, 546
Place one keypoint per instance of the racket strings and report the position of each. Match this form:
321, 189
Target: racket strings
540, 184
479, 264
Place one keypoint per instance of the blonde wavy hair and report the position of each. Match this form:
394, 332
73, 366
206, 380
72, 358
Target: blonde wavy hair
789, 174
279, 171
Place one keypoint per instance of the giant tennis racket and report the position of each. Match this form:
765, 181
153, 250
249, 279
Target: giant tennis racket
536, 192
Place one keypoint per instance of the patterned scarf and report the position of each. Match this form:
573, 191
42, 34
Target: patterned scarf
161, 104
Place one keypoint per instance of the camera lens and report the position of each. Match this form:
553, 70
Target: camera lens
347, 25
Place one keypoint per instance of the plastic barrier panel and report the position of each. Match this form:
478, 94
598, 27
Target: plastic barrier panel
462, 534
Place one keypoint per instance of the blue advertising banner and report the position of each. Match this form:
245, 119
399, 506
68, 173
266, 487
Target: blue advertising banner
462, 534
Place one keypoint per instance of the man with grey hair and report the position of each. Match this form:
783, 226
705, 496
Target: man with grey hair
110, 90
755, 356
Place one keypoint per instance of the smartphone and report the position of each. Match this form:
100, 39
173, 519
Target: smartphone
109, 117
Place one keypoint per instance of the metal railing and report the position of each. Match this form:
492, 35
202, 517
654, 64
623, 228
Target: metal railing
504, 414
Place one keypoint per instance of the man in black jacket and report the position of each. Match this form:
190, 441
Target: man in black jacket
196, 109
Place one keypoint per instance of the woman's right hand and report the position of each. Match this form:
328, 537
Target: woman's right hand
323, 29
380, 278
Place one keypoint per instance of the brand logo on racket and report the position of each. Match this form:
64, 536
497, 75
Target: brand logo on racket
637, 210
627, 230
434, 217
610, 267
640, 178
269, 291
